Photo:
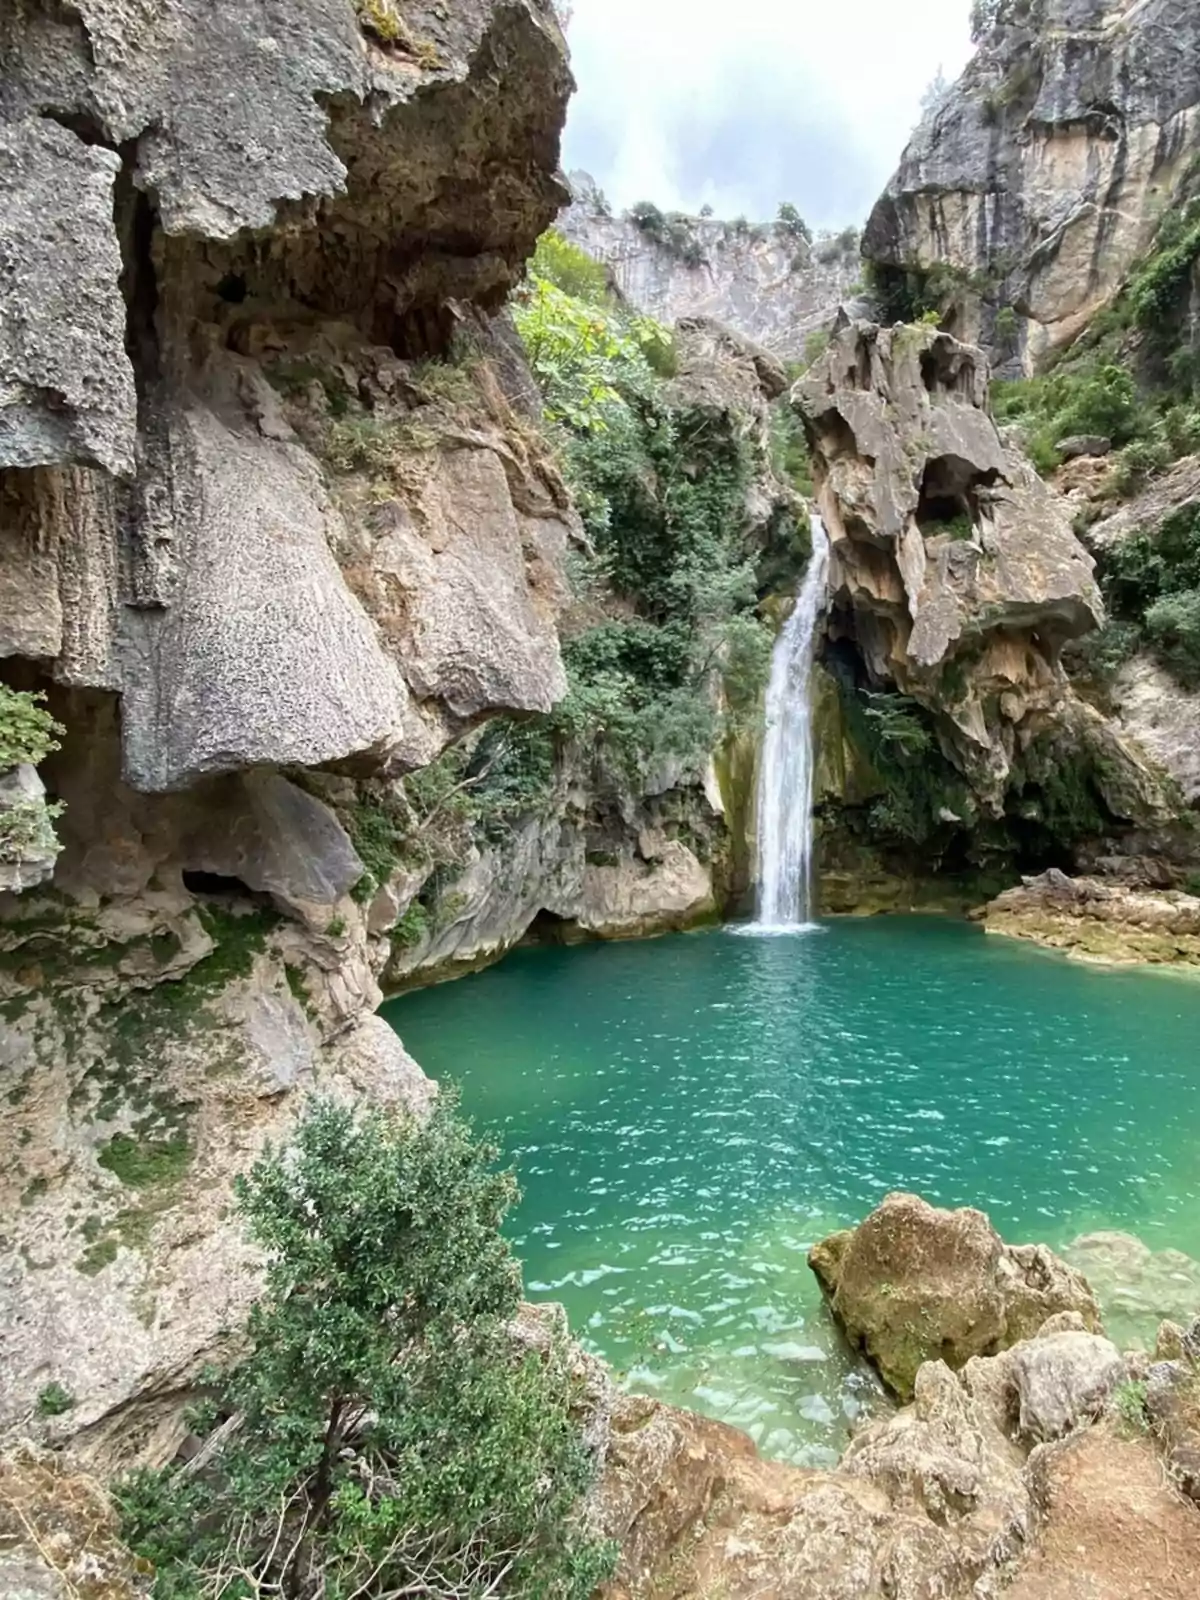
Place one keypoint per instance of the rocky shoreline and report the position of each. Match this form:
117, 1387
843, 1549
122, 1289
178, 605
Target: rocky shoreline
1107, 923
1032, 1455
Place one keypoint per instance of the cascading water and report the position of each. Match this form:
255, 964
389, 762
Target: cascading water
785, 781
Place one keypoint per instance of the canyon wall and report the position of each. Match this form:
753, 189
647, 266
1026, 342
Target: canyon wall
1031, 188
774, 287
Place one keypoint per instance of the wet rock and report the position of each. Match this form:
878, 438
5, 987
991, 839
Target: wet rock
1095, 920
913, 1283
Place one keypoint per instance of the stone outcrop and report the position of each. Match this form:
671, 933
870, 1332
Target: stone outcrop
1012, 1472
1098, 920
955, 572
1041, 176
912, 1283
771, 287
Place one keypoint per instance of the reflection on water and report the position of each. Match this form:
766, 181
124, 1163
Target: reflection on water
688, 1115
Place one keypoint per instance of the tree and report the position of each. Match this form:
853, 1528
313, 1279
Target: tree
792, 224
383, 1434
935, 93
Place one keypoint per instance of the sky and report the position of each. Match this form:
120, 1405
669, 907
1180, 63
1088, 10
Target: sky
742, 104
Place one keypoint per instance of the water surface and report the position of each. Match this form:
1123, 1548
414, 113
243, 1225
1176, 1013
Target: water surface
688, 1115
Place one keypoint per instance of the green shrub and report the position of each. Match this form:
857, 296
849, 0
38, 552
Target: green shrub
27, 732
570, 269
791, 225
390, 1438
1173, 628
54, 1400
27, 830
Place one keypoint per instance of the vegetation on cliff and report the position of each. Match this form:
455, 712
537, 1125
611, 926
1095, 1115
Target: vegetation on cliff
661, 482
384, 1433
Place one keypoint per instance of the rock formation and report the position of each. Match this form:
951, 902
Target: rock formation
913, 1282
1041, 176
254, 522
956, 576
1099, 921
770, 286
1015, 1475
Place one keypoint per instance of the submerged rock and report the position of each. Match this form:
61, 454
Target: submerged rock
1095, 920
915, 1283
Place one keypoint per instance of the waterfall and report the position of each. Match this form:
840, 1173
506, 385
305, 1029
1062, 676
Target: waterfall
785, 780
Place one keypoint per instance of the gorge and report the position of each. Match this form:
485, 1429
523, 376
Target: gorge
387, 594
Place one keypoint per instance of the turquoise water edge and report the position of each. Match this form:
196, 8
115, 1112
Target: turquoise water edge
688, 1115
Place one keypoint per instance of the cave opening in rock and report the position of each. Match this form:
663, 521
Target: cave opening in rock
207, 885
548, 928
949, 496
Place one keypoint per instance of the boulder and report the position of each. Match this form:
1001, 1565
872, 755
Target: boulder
1063, 1381
1084, 444
914, 1283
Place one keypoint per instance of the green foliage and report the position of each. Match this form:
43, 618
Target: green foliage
1173, 628
674, 231
391, 1437
54, 1400
1151, 585
586, 359
1129, 1402
143, 1163
897, 724
789, 224
1091, 398
27, 830
571, 269
27, 732
412, 927
1159, 284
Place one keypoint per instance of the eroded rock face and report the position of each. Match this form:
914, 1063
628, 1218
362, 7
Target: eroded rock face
955, 572
1097, 920
772, 288
270, 499
212, 583
1041, 176
913, 1283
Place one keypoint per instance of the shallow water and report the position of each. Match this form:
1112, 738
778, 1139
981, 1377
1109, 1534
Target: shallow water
688, 1115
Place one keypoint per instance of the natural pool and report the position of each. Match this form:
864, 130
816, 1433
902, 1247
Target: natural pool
688, 1115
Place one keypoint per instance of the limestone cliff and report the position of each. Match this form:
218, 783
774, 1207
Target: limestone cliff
771, 286
274, 526
1042, 175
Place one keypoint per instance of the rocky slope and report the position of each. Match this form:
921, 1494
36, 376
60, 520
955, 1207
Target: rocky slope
773, 287
1042, 175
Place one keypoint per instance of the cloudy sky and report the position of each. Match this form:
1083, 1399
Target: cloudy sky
743, 103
